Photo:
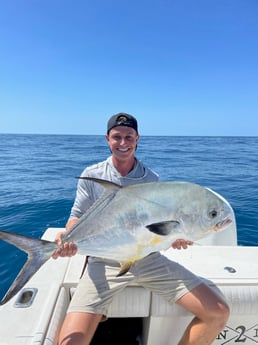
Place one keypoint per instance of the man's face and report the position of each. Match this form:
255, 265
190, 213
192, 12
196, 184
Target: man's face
122, 141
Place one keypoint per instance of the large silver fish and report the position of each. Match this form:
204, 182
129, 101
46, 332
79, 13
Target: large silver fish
128, 223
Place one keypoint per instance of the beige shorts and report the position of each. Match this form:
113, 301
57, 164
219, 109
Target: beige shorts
154, 272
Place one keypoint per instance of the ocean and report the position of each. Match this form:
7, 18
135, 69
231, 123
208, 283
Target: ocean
38, 179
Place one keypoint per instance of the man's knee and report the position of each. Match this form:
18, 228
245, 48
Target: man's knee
221, 315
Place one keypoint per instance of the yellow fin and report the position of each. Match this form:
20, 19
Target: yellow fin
155, 240
124, 268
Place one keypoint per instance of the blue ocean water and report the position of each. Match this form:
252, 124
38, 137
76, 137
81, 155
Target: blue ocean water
38, 179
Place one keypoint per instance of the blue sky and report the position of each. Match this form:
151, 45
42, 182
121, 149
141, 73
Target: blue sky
182, 67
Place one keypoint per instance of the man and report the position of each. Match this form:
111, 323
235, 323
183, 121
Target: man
99, 283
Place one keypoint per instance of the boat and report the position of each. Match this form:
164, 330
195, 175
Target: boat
137, 316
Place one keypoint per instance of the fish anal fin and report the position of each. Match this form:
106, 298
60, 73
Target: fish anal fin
125, 267
104, 183
163, 228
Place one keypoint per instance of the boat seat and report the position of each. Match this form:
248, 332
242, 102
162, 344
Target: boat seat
226, 267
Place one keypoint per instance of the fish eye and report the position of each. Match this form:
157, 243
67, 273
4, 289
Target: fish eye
213, 213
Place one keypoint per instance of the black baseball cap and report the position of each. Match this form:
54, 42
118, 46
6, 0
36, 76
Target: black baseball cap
122, 119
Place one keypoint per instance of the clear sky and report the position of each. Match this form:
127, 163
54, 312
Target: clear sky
182, 67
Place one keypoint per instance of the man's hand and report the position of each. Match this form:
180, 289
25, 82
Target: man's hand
178, 244
67, 249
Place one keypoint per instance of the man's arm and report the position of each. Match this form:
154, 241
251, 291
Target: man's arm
68, 248
178, 244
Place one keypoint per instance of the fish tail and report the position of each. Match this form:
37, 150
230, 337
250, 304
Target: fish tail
39, 251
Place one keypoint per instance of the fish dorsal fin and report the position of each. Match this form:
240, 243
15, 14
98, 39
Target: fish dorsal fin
104, 183
110, 191
163, 228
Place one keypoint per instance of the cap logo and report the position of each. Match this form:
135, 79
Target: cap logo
122, 119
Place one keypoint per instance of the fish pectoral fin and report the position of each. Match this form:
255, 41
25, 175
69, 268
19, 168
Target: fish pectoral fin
124, 268
163, 228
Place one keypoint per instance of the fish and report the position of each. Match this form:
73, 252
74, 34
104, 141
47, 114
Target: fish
128, 223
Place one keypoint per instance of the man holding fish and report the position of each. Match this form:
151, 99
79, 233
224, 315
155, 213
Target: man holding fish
104, 277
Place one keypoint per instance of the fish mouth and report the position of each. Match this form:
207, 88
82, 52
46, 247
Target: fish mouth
223, 224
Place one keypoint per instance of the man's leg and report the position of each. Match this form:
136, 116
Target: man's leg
78, 328
90, 302
211, 314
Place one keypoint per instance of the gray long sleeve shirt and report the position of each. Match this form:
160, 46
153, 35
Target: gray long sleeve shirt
88, 192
